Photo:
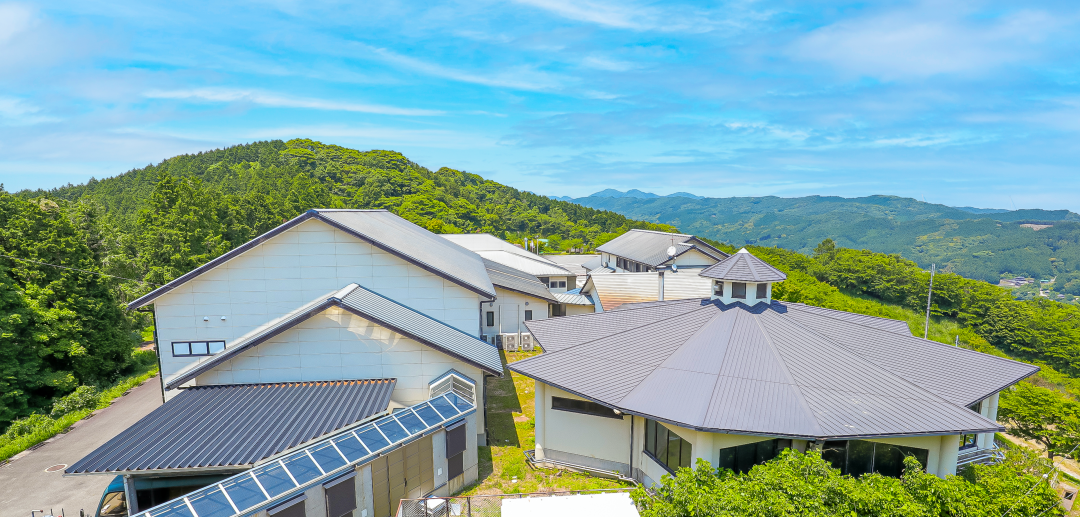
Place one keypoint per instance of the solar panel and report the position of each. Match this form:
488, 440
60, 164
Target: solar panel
318, 462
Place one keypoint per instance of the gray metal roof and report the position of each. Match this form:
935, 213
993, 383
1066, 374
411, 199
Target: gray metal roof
506, 277
744, 267
368, 305
770, 370
383, 229
236, 425
650, 247
573, 298
493, 248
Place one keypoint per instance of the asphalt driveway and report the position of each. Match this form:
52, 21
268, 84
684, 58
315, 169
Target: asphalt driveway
24, 483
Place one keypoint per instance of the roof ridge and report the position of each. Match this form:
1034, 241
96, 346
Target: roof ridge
655, 231
869, 362
787, 372
549, 354
938, 343
286, 383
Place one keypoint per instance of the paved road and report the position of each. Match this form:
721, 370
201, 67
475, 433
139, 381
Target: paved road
24, 484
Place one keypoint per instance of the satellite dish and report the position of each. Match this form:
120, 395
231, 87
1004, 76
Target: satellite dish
675, 268
671, 251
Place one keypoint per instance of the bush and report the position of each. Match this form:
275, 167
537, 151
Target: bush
27, 426
84, 397
143, 358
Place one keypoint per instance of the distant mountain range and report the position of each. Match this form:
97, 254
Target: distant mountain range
632, 193
981, 243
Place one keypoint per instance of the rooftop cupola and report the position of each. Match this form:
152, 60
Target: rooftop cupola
743, 277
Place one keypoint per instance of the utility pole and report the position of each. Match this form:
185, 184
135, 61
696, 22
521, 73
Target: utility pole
929, 295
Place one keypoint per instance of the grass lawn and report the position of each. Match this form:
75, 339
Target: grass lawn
511, 429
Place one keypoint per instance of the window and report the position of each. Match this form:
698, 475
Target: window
666, 447
491, 318
858, 457
738, 290
976, 407
968, 441
762, 291
562, 284
583, 406
196, 348
742, 458
455, 450
718, 289
291, 508
528, 315
556, 309
340, 495
544, 279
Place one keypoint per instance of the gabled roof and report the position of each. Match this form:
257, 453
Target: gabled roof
506, 277
744, 267
615, 289
651, 247
236, 425
381, 228
371, 306
573, 297
493, 248
768, 370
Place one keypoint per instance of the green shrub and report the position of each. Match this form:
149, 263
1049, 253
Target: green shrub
143, 358
27, 426
84, 397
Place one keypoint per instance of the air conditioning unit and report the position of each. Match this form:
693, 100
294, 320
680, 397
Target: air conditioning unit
510, 342
527, 342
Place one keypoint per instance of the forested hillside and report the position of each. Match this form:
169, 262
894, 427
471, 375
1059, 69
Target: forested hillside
976, 245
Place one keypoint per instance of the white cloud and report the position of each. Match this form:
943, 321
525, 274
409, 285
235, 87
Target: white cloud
516, 77
608, 64
280, 101
625, 15
926, 41
14, 20
15, 111
621, 16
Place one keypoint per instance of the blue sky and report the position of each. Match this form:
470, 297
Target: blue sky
961, 102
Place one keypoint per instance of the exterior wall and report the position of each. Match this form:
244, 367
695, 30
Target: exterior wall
338, 345
605, 442
573, 310
751, 295
510, 301
989, 410
694, 258
471, 460
591, 437
293, 268
365, 493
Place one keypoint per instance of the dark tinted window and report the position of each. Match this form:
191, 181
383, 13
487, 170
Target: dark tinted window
762, 291
738, 290
743, 457
528, 315
666, 447
718, 288
858, 457
196, 348
341, 498
582, 406
491, 318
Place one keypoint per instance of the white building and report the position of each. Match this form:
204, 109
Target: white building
735, 377
352, 324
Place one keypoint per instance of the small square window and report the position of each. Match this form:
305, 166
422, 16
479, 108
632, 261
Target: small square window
217, 346
553, 285
738, 290
762, 291
199, 348
491, 318
528, 315
562, 284
718, 289
181, 349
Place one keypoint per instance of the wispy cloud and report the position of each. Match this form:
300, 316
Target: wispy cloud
520, 77
17, 112
228, 95
929, 40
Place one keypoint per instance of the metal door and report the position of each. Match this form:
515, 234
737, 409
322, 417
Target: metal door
509, 318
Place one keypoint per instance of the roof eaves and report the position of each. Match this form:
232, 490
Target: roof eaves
393, 251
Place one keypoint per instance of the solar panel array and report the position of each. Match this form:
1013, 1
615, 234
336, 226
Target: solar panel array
291, 474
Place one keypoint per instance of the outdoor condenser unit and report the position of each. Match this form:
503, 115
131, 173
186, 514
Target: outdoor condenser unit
510, 342
526, 342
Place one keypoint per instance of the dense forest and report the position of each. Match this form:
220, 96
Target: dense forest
117, 238
979, 245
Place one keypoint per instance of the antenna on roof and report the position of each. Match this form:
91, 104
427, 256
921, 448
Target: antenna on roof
671, 249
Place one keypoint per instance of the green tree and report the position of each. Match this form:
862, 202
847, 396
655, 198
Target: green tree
1043, 415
